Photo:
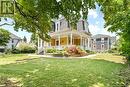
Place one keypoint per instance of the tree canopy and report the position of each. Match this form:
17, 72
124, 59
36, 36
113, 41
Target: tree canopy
36, 15
4, 37
117, 15
34, 39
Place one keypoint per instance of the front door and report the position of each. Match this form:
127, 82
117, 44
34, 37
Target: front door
57, 43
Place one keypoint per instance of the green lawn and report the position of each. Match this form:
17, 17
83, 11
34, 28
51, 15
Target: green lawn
44, 72
11, 58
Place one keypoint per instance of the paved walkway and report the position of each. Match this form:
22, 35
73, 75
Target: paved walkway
100, 56
49, 56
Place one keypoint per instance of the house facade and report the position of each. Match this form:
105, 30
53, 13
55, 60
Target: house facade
102, 43
12, 43
62, 35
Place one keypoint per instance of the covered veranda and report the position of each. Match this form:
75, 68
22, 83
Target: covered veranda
61, 40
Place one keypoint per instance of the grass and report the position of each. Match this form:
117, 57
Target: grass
110, 57
11, 58
47, 72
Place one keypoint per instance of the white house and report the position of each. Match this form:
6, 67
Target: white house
62, 35
101, 42
12, 43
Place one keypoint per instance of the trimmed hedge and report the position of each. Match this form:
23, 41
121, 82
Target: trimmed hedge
51, 50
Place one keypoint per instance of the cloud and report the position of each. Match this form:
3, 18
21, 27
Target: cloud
97, 22
94, 29
93, 13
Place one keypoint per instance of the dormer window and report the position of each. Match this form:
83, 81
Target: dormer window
57, 27
83, 25
68, 24
53, 26
60, 23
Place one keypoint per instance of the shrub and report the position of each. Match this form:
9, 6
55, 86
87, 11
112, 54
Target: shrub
51, 50
75, 51
90, 52
59, 53
15, 51
25, 48
8, 51
113, 50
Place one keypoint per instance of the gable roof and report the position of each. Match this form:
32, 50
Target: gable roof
12, 36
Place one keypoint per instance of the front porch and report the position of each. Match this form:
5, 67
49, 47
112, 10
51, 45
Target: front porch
65, 39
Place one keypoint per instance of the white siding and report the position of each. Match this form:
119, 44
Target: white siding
10, 43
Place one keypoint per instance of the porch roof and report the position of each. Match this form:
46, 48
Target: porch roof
68, 32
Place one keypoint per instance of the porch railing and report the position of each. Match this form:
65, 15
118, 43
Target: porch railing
64, 46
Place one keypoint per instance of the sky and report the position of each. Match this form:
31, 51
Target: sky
95, 20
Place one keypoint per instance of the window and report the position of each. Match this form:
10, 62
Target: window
102, 46
60, 23
57, 43
69, 39
57, 27
12, 41
68, 24
53, 26
98, 39
83, 25
106, 39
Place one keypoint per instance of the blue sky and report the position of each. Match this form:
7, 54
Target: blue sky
20, 33
95, 20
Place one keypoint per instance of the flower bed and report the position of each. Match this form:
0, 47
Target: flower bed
75, 51
71, 51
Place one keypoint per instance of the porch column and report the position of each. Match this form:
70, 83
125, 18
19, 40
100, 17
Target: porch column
38, 42
38, 46
88, 42
71, 39
55, 43
50, 43
108, 43
45, 45
59, 40
67, 40
41, 43
80, 40
85, 42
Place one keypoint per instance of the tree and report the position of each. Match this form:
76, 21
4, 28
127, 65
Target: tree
117, 15
36, 15
4, 37
34, 39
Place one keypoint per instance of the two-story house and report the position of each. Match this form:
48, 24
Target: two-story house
12, 43
62, 35
102, 43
